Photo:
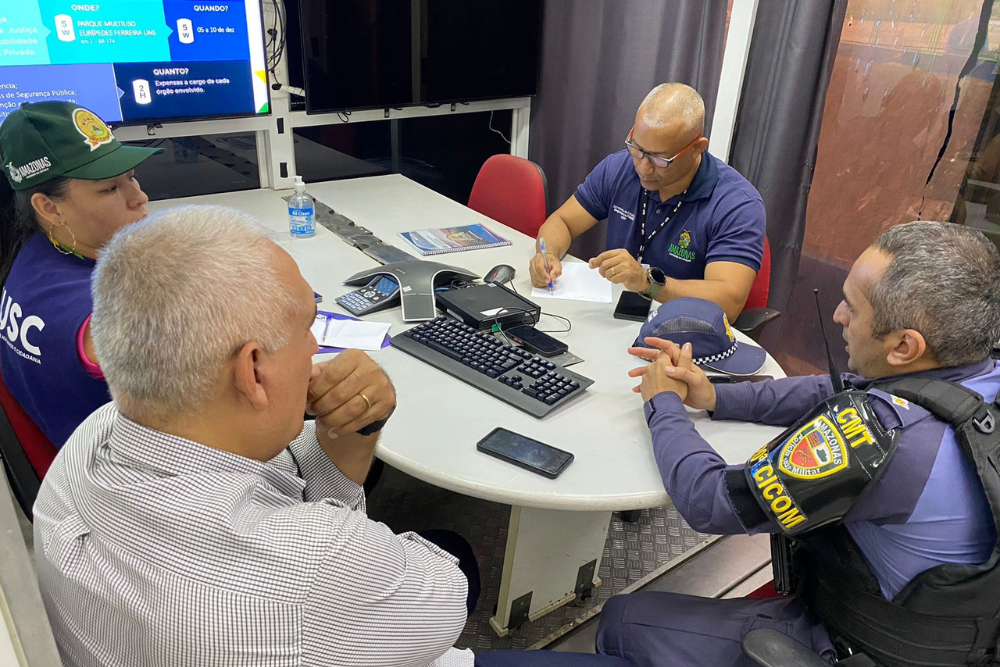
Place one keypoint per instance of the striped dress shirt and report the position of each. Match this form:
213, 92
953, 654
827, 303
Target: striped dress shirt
156, 550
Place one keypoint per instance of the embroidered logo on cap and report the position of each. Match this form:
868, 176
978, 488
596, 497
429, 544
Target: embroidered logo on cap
15, 174
92, 128
30, 170
729, 330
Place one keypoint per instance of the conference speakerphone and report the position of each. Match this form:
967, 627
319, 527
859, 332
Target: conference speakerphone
417, 281
483, 306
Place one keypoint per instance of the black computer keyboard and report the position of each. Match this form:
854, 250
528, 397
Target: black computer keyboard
526, 381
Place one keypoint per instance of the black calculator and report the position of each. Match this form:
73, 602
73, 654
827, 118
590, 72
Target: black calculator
381, 293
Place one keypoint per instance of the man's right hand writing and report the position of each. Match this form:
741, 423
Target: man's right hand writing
700, 391
536, 267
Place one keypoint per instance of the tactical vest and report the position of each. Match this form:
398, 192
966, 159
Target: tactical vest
948, 615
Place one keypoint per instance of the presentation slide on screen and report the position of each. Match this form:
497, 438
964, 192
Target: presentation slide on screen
133, 60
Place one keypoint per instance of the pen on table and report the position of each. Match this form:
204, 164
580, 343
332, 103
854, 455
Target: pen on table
545, 258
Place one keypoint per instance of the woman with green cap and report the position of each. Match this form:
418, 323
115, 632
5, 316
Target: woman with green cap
70, 185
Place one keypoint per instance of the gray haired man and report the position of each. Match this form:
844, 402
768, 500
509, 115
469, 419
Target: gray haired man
899, 560
195, 520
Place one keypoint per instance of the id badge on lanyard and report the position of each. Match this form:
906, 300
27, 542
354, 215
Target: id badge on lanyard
646, 240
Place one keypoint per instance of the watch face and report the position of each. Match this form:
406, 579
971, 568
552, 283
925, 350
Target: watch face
658, 276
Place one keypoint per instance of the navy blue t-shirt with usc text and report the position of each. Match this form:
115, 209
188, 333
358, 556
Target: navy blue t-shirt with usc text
721, 217
46, 301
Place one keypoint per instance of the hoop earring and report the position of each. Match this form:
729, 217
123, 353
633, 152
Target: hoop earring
59, 246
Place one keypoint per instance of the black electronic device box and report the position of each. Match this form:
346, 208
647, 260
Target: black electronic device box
483, 306
525, 452
381, 293
536, 341
632, 306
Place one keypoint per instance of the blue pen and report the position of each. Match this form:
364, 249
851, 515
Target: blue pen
545, 258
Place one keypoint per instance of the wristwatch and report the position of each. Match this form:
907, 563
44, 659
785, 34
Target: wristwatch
657, 280
375, 427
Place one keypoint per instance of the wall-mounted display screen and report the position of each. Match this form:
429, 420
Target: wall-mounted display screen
135, 61
364, 54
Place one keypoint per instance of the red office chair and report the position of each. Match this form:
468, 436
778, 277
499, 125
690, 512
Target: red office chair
756, 314
512, 191
26, 452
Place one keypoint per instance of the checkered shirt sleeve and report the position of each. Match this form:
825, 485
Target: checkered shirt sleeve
155, 550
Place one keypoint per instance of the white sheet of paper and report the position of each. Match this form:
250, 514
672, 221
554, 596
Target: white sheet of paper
578, 282
319, 327
350, 333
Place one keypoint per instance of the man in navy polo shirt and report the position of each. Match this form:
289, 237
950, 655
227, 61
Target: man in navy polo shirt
680, 222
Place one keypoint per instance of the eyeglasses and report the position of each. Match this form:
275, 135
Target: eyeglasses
658, 161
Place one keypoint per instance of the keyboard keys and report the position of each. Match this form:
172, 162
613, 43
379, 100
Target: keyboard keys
525, 380
444, 349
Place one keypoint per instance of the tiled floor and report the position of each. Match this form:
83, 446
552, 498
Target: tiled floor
633, 552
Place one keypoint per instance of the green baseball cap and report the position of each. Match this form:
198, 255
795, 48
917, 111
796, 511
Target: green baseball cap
45, 140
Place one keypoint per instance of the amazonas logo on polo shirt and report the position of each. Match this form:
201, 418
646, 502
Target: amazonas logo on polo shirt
680, 248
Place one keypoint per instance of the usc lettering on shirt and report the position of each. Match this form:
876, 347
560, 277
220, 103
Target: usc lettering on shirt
15, 331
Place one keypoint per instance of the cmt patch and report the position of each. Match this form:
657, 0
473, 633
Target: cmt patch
814, 452
811, 474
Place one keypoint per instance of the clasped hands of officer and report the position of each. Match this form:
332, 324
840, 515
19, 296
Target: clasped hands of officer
348, 393
672, 370
617, 265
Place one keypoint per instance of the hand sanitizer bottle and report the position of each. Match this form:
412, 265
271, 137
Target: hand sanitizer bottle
301, 212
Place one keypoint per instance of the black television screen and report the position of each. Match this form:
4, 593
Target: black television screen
366, 54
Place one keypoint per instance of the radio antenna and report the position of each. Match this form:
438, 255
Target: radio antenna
838, 386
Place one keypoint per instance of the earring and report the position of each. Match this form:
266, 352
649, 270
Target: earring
59, 246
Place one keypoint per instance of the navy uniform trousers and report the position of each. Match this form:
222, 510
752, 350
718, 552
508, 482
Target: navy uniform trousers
672, 630
547, 659
656, 629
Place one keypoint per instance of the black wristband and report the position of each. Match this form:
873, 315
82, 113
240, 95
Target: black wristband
375, 427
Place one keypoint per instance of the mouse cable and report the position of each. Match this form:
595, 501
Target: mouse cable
569, 325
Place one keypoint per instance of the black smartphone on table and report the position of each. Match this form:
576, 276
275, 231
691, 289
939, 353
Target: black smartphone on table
537, 341
525, 452
632, 306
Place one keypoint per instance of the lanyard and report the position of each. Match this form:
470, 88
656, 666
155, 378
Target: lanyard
642, 223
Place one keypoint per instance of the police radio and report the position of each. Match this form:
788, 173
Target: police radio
838, 385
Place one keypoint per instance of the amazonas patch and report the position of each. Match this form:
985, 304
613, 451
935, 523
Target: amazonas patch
815, 451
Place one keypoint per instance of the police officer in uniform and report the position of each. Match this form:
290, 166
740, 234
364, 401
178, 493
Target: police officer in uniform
878, 496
